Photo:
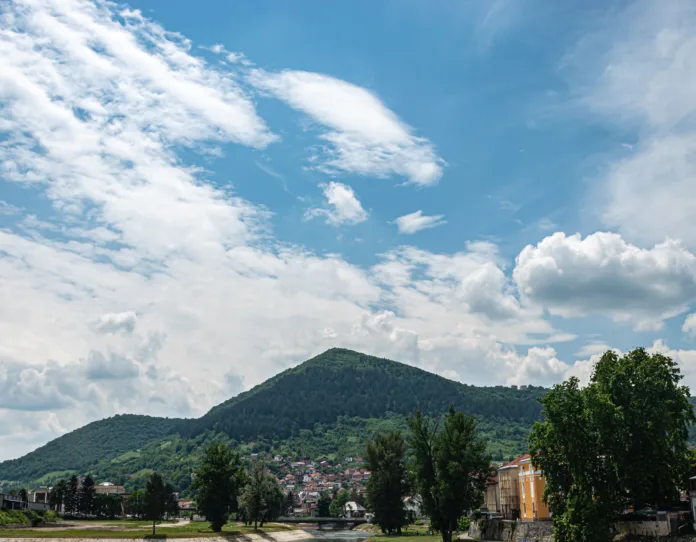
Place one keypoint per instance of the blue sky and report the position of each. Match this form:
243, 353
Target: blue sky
195, 197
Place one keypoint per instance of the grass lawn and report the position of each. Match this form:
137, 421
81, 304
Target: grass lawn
192, 530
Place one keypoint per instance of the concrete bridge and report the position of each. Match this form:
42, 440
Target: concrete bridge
337, 523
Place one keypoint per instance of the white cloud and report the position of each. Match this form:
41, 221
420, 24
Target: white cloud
640, 72
689, 325
96, 109
572, 276
363, 136
417, 221
116, 321
344, 208
590, 349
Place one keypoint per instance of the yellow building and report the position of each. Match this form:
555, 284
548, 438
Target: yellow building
531, 487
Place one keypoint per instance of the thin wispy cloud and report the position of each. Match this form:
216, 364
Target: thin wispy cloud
363, 136
415, 222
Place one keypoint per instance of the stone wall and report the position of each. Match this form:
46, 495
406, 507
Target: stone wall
534, 531
504, 530
492, 529
643, 528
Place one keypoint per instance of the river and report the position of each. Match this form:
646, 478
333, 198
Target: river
339, 536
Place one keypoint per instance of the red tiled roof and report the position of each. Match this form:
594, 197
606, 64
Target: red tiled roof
515, 461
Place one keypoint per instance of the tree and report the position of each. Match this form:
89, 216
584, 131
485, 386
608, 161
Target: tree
289, 503
338, 504
451, 467
157, 496
262, 499
72, 495
388, 482
620, 441
324, 505
86, 495
107, 506
216, 484
136, 504
58, 495
22, 494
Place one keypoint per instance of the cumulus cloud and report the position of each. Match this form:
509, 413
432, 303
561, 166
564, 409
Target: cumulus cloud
343, 206
640, 73
116, 321
689, 325
602, 273
417, 221
363, 136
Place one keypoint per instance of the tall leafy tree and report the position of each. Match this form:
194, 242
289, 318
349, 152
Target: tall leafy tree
58, 495
620, 441
262, 499
324, 505
23, 494
86, 495
289, 503
388, 482
338, 504
216, 484
157, 497
72, 495
136, 504
451, 467
107, 506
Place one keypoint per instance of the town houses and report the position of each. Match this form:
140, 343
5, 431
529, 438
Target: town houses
307, 479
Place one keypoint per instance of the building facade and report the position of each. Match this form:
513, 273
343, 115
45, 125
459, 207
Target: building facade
531, 490
509, 488
491, 497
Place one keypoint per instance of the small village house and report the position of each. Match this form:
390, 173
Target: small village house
354, 510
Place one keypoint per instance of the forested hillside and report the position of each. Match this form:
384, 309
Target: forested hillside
345, 383
101, 440
329, 405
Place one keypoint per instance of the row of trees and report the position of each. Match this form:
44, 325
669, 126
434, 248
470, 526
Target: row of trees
79, 497
224, 488
445, 463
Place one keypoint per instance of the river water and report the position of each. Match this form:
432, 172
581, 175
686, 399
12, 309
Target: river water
338, 536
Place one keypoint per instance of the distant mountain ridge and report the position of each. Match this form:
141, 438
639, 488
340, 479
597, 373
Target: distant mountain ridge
338, 397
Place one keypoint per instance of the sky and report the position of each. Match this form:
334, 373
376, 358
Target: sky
195, 196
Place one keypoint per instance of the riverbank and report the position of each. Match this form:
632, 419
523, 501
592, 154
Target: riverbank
192, 532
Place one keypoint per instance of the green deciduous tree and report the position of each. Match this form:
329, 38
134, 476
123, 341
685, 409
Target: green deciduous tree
136, 504
216, 484
388, 482
338, 504
23, 494
72, 495
58, 495
451, 467
620, 441
86, 495
324, 505
289, 503
157, 499
262, 499
107, 506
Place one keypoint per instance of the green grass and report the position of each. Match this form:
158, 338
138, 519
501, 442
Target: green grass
192, 530
134, 523
134, 454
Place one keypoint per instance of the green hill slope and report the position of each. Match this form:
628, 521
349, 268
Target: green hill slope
328, 405
101, 440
